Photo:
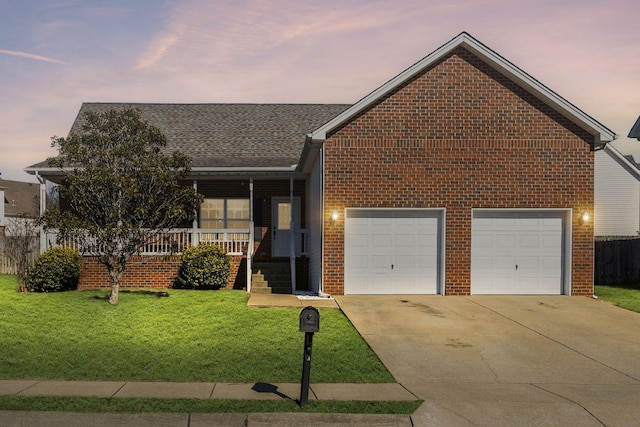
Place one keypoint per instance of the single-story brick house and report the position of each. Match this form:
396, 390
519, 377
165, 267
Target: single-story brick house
461, 175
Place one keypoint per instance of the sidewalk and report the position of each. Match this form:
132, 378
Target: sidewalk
233, 391
62, 419
185, 390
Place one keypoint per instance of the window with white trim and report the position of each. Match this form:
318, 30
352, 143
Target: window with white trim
225, 213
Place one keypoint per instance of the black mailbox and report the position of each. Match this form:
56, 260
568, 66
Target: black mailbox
309, 320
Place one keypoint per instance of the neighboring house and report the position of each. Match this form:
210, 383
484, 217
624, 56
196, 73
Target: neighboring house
19, 200
616, 195
19, 203
461, 175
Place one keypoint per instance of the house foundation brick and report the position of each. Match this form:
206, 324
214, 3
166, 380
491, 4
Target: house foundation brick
149, 272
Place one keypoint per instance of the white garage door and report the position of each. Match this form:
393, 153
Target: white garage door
517, 253
391, 251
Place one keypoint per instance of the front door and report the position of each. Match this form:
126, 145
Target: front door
281, 225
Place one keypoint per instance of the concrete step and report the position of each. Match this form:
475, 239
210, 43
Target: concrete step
273, 277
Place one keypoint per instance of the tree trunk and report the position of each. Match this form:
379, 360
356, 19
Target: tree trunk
115, 287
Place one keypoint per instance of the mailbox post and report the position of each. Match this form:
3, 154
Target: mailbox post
309, 324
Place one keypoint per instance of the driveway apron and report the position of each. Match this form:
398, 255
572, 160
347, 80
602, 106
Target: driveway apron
503, 360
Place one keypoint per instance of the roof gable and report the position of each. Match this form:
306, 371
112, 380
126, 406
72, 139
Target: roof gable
600, 133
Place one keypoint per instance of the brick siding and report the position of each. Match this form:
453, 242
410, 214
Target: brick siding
150, 272
459, 136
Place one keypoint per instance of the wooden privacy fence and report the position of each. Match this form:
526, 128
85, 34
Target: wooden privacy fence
8, 266
617, 262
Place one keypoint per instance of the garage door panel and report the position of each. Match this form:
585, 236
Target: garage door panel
528, 262
529, 241
401, 250
502, 263
517, 253
359, 262
381, 240
504, 241
551, 241
380, 262
405, 241
359, 240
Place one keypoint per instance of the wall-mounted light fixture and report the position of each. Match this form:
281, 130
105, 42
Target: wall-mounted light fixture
334, 217
584, 217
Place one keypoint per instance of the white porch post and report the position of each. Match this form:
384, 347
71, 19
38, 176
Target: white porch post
194, 225
251, 237
292, 242
43, 208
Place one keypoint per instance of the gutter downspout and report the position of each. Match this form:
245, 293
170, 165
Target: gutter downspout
321, 284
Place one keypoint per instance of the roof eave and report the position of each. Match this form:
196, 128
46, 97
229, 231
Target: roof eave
54, 174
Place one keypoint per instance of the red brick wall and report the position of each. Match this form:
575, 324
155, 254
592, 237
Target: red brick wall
459, 136
149, 272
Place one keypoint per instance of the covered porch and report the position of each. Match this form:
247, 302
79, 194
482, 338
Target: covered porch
258, 221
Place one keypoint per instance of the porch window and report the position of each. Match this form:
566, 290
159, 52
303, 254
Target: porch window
225, 213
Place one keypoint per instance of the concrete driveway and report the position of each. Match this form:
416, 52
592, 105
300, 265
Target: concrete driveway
507, 361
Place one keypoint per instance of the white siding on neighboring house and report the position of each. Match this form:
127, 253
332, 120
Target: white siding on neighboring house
314, 218
616, 195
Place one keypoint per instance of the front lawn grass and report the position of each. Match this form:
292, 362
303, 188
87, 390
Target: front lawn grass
207, 336
622, 297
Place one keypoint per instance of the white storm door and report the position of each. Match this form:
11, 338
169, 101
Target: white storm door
517, 253
281, 227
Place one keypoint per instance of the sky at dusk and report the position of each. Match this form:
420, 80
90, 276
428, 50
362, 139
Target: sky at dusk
56, 54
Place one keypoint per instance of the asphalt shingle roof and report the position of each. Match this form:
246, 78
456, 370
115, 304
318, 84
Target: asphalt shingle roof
230, 135
21, 198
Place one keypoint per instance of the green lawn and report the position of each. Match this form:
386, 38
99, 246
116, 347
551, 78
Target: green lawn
89, 404
622, 297
189, 336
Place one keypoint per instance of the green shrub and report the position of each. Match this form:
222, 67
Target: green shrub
205, 266
57, 269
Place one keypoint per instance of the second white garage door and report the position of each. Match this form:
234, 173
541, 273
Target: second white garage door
392, 251
517, 252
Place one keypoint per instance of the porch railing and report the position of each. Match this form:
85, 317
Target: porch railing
234, 241
302, 242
